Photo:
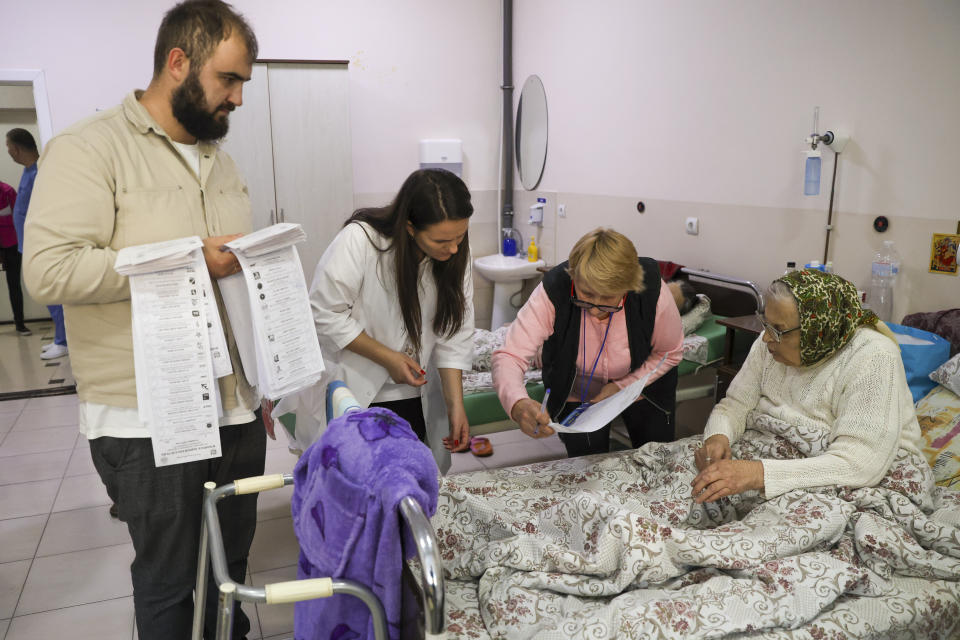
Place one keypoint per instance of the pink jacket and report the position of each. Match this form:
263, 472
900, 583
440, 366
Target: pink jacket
534, 324
8, 234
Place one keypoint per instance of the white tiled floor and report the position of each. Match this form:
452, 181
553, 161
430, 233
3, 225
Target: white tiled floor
21, 368
64, 563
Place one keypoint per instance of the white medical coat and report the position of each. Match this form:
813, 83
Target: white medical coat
354, 290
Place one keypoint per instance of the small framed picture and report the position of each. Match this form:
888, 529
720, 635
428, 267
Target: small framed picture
943, 253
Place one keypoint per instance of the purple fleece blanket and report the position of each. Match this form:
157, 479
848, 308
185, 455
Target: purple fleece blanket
346, 499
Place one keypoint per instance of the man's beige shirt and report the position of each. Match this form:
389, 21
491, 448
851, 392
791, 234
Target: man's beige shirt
109, 182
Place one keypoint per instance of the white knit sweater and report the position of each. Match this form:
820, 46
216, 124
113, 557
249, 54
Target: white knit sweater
859, 396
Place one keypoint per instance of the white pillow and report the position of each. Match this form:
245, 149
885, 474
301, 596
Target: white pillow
949, 374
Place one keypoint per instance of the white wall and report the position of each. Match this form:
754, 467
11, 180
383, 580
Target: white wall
418, 69
700, 109
424, 68
697, 108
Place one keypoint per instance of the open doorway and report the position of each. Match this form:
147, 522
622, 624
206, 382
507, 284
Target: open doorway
23, 104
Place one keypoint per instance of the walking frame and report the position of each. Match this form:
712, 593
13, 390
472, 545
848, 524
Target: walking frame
212, 550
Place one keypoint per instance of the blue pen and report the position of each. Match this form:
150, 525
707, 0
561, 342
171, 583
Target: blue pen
543, 407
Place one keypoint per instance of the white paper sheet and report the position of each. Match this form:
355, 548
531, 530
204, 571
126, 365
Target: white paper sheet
218, 340
158, 256
236, 302
288, 351
177, 390
268, 239
599, 415
269, 309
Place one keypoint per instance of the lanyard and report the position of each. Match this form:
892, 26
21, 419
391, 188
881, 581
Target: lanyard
583, 347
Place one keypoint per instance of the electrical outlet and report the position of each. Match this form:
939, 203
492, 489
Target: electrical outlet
693, 226
562, 210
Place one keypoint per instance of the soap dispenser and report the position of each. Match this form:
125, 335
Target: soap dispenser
532, 251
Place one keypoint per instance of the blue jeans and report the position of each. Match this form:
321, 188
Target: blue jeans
59, 331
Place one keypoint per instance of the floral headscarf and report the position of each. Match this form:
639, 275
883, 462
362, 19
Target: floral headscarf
830, 312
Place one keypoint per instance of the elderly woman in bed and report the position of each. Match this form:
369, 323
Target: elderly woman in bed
823, 365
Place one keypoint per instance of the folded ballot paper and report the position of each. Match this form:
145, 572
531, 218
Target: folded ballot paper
590, 417
179, 348
269, 310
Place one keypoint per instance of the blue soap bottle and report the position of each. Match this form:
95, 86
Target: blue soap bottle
509, 243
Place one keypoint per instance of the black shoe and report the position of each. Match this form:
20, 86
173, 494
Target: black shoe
114, 512
24, 331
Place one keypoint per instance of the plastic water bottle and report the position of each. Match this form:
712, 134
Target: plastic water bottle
883, 277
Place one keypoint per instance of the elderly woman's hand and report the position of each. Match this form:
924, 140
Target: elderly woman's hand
714, 449
532, 421
726, 478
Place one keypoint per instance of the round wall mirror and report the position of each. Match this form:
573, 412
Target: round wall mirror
531, 132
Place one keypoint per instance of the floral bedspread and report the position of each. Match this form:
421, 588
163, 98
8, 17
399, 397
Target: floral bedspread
479, 381
696, 349
612, 546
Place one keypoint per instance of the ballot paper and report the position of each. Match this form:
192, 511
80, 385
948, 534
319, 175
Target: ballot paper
269, 309
173, 363
268, 239
159, 256
596, 416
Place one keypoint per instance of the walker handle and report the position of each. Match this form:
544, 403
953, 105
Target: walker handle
257, 484
297, 590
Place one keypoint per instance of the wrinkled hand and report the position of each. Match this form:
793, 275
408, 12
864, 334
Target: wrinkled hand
726, 478
532, 421
608, 390
220, 263
459, 438
714, 448
405, 370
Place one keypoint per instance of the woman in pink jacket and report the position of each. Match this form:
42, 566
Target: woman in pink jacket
605, 319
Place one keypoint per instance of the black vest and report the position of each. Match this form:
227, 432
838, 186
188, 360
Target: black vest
560, 349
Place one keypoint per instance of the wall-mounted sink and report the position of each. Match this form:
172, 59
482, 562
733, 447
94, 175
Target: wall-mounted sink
507, 275
500, 268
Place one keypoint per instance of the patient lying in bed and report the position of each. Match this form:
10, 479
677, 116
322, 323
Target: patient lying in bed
809, 507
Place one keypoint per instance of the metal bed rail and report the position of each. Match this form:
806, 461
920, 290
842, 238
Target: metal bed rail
717, 277
212, 550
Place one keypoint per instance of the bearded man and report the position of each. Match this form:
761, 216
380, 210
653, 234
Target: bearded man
146, 171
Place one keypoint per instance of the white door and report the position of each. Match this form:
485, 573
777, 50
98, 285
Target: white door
249, 142
312, 154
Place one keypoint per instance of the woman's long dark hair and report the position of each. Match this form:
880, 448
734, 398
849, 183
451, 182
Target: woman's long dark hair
427, 197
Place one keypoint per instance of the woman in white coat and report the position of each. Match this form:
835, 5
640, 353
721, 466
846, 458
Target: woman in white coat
392, 300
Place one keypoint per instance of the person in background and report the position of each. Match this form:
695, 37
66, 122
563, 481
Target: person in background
394, 290
683, 294
11, 256
23, 149
146, 171
605, 319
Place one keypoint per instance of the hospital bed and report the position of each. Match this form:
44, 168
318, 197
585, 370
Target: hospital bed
436, 606
778, 600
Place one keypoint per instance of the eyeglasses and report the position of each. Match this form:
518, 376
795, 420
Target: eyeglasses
583, 304
774, 333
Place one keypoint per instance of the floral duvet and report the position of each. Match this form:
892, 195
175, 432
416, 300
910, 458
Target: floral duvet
613, 546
